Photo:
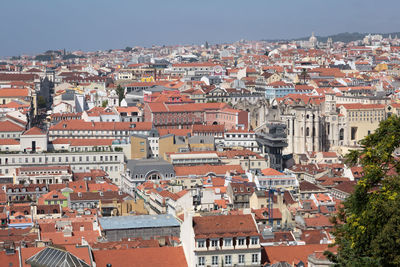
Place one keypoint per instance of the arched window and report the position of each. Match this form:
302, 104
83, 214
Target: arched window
341, 134
307, 131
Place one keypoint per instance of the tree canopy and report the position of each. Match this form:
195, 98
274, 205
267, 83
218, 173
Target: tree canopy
121, 93
367, 227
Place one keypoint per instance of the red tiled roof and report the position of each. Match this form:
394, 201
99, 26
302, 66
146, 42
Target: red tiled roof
34, 131
347, 186
8, 142
362, 106
307, 186
17, 77
224, 224
318, 221
127, 109
102, 187
13, 92
262, 214
271, 172
291, 254
177, 132
208, 128
79, 125
8, 126
313, 236
141, 257
8, 259
58, 238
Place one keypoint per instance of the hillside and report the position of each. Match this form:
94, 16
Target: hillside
345, 37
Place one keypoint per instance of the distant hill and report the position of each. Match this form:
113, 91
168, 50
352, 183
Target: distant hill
345, 37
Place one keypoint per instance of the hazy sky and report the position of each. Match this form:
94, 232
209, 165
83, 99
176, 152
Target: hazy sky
34, 26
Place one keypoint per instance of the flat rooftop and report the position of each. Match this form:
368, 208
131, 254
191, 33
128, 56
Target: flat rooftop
140, 221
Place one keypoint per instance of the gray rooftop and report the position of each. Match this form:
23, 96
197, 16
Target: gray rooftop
51, 256
146, 166
141, 221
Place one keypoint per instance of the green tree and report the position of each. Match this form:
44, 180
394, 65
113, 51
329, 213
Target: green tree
41, 102
43, 57
104, 103
367, 227
121, 93
128, 49
303, 75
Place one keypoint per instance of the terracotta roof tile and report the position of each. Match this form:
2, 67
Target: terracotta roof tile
8, 126
34, 131
291, 254
224, 224
142, 257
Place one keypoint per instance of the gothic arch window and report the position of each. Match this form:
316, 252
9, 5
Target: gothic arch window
307, 131
341, 134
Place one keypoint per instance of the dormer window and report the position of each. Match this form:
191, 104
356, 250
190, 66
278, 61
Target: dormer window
201, 243
214, 243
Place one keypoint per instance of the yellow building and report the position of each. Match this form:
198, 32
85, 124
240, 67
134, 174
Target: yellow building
154, 146
171, 143
139, 147
360, 121
123, 208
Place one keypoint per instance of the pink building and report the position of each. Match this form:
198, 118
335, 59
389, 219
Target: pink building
181, 116
229, 117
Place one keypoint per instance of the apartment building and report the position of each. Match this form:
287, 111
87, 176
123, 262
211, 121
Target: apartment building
241, 139
360, 120
221, 240
43, 175
271, 178
98, 130
183, 116
195, 69
111, 162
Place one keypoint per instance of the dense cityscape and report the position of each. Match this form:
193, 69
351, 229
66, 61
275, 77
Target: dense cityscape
227, 154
